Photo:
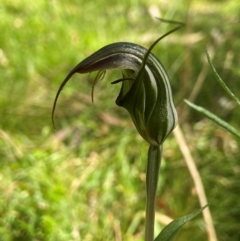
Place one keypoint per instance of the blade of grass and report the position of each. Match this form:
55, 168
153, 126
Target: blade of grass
221, 82
171, 230
214, 118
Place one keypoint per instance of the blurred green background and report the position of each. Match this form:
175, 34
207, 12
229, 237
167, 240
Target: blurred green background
86, 180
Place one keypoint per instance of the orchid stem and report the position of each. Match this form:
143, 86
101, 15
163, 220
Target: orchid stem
153, 167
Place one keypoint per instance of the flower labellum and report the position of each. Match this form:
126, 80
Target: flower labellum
145, 92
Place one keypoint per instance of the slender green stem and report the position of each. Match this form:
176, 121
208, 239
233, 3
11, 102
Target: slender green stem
153, 167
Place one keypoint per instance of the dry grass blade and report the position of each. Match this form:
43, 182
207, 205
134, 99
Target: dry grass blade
197, 182
16, 150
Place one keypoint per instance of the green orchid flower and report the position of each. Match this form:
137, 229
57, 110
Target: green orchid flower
145, 92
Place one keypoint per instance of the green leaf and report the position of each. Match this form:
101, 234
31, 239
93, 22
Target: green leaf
221, 82
214, 118
170, 231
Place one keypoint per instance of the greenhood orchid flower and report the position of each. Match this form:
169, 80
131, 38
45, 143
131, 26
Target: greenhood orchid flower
145, 92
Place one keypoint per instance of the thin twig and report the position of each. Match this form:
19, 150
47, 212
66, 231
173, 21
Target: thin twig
197, 182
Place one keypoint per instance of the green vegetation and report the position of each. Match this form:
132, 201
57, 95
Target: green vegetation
86, 180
